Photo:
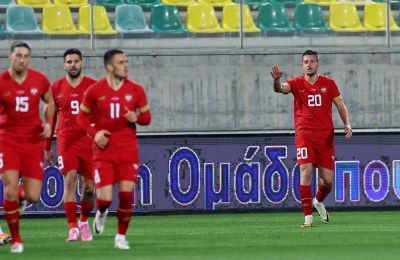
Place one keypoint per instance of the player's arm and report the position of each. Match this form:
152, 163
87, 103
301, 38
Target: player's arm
344, 115
279, 87
49, 111
49, 156
142, 115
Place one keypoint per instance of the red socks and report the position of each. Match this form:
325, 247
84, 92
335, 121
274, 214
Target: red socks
86, 208
323, 192
12, 219
306, 199
70, 211
124, 212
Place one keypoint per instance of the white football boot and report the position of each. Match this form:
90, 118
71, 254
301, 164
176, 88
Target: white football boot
121, 242
323, 214
99, 222
308, 221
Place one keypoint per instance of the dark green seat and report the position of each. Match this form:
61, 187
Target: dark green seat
286, 2
110, 3
21, 20
6, 3
143, 3
165, 19
310, 18
130, 19
273, 18
251, 2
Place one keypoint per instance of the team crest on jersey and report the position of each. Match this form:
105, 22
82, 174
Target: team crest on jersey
102, 98
34, 91
323, 90
128, 98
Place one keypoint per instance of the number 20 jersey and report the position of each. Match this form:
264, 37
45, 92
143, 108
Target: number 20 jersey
20, 119
313, 105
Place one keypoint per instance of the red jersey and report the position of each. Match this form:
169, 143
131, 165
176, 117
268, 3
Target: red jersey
20, 117
313, 105
68, 100
109, 107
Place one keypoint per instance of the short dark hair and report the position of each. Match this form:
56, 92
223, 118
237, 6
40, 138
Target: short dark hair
109, 55
19, 44
72, 51
310, 52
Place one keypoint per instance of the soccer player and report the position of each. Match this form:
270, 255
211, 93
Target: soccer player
22, 133
73, 144
119, 104
314, 132
4, 237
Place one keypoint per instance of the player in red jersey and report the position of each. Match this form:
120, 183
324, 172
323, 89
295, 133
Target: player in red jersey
73, 144
313, 96
119, 104
22, 133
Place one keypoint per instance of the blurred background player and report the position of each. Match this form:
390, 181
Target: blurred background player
22, 133
4, 237
73, 144
119, 105
314, 131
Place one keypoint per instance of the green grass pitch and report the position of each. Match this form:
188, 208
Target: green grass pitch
350, 235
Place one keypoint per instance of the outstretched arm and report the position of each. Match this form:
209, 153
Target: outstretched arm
344, 115
279, 87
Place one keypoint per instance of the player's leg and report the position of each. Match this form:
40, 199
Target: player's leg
124, 213
70, 204
305, 192
87, 200
324, 188
10, 207
103, 202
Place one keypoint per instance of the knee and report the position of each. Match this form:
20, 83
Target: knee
10, 193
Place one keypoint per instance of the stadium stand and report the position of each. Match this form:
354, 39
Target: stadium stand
21, 20
320, 2
215, 2
375, 18
201, 18
310, 18
101, 21
251, 2
179, 2
57, 19
34, 3
6, 3
110, 3
165, 19
143, 3
343, 17
273, 18
71, 3
231, 19
286, 2
130, 19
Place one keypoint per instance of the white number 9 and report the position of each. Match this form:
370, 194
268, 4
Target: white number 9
74, 107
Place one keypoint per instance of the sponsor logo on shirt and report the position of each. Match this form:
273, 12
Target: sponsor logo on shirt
34, 91
128, 98
74, 95
313, 90
20, 92
115, 98
60, 96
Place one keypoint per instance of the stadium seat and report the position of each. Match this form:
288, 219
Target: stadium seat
215, 2
110, 3
34, 3
57, 19
21, 20
6, 3
273, 18
201, 18
179, 2
356, 2
143, 3
72, 3
343, 17
101, 21
320, 2
165, 19
231, 19
286, 2
130, 19
251, 2
375, 18
310, 18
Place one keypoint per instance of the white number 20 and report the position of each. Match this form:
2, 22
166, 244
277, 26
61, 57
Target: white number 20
302, 153
314, 100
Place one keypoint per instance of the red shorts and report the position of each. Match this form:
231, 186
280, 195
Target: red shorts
111, 172
25, 158
320, 152
76, 156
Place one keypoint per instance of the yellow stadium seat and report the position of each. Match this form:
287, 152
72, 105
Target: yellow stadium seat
356, 2
71, 3
201, 18
343, 17
320, 2
215, 2
231, 19
57, 19
179, 2
101, 21
375, 18
34, 3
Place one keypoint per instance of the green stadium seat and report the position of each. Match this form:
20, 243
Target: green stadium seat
21, 20
286, 2
252, 2
130, 19
273, 18
6, 3
110, 3
165, 19
143, 3
310, 18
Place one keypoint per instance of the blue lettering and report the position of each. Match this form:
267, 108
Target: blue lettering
353, 169
247, 183
213, 196
379, 193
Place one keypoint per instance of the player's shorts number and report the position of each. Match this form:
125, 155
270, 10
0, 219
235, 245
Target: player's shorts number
60, 163
302, 153
1, 160
21, 104
114, 110
314, 100
74, 107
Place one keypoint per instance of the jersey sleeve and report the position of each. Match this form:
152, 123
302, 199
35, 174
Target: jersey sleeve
88, 101
142, 104
293, 85
334, 90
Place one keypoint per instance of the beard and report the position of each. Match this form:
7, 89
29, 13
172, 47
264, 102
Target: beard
74, 75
